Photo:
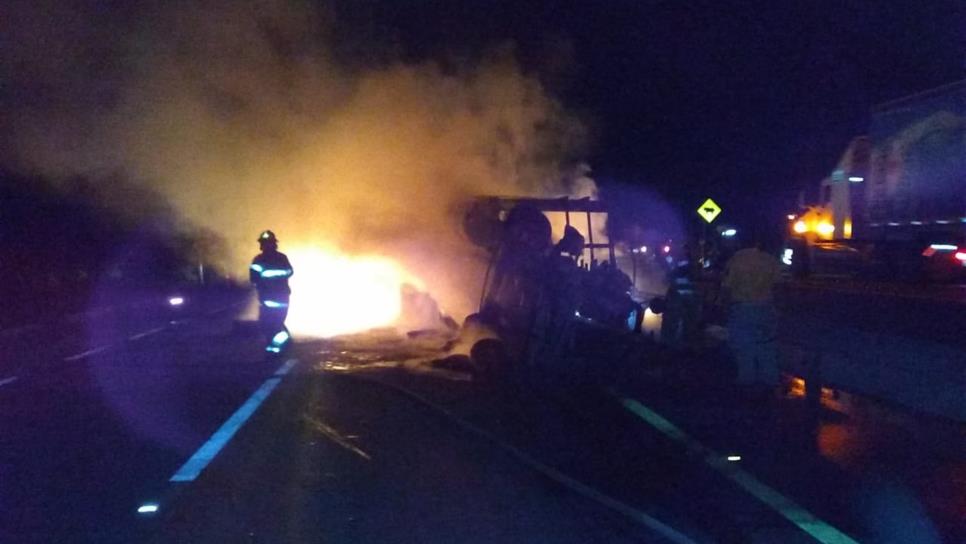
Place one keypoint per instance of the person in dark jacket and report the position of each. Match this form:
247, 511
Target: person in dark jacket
269, 273
679, 327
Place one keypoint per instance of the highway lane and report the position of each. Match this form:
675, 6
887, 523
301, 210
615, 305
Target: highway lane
388, 455
334, 459
88, 440
379, 454
83, 439
87, 443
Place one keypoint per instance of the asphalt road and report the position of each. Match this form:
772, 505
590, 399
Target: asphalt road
355, 441
104, 412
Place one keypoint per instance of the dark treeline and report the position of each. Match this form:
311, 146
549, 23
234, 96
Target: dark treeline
59, 242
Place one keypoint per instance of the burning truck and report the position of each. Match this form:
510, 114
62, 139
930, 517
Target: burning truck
541, 301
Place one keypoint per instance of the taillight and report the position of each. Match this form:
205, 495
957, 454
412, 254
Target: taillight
961, 255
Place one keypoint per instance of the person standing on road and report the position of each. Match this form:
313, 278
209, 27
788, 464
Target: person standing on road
269, 273
679, 326
749, 280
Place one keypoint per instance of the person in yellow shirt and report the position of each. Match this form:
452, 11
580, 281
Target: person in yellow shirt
748, 284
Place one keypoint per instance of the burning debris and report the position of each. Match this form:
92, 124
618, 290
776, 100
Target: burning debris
542, 304
335, 293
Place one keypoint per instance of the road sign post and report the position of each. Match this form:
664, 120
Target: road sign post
708, 211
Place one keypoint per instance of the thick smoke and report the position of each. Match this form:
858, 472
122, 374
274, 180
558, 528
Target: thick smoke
241, 116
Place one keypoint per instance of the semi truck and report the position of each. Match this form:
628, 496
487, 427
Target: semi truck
895, 204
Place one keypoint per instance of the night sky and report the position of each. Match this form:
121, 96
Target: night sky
747, 102
741, 101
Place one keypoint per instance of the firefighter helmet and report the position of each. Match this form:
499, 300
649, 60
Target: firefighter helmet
267, 236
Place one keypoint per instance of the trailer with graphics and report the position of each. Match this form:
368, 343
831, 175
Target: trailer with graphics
896, 202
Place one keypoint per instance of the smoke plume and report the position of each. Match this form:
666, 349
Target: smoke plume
242, 116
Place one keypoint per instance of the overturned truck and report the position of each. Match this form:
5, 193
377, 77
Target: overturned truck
547, 301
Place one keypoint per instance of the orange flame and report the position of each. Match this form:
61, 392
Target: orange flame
336, 293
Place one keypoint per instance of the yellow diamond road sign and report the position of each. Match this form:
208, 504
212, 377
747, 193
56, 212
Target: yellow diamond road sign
709, 210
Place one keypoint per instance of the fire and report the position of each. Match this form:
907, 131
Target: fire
336, 293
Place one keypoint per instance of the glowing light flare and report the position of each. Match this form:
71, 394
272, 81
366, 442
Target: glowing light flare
652, 322
961, 256
825, 228
148, 508
796, 387
176, 301
335, 293
800, 227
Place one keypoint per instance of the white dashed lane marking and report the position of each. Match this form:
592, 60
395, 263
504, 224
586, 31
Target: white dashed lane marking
147, 333
787, 508
87, 353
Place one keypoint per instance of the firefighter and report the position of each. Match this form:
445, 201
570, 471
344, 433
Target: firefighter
269, 273
679, 327
749, 280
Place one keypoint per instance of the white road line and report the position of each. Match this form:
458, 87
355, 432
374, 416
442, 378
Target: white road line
192, 468
147, 333
11, 379
95, 351
577, 486
86, 353
787, 508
